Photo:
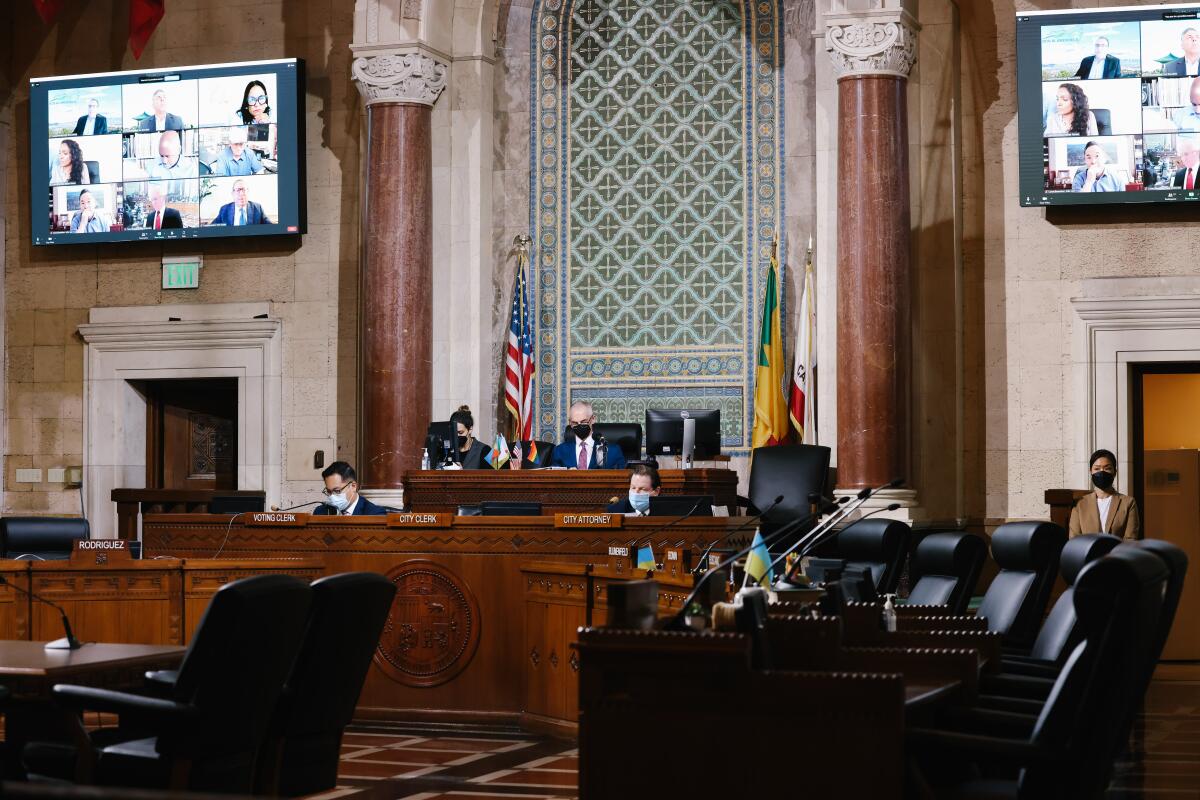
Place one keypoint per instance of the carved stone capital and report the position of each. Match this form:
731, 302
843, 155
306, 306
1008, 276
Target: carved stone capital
872, 43
399, 77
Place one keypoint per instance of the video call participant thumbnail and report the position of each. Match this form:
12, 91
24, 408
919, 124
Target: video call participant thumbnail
236, 158
1100, 64
88, 219
70, 167
160, 215
1097, 176
1189, 63
92, 123
1071, 114
242, 211
1189, 157
161, 119
171, 163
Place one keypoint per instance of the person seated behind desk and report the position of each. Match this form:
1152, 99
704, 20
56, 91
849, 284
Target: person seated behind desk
1105, 510
644, 483
579, 451
341, 494
471, 451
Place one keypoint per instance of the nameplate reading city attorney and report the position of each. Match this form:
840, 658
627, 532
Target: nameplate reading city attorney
586, 520
412, 519
274, 519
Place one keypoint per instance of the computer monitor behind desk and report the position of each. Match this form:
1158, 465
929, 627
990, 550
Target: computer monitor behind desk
441, 440
235, 504
506, 508
677, 505
664, 431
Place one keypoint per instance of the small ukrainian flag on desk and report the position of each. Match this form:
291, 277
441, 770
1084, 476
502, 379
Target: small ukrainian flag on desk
645, 557
758, 563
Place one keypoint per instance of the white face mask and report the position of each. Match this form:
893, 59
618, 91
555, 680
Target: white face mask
640, 501
338, 501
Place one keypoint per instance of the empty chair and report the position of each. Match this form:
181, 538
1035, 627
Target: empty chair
794, 471
1177, 562
1027, 554
210, 726
300, 755
878, 545
42, 538
1070, 747
945, 569
626, 435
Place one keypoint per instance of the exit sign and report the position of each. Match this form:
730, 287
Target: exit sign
181, 272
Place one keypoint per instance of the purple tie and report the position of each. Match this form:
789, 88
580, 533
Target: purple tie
583, 459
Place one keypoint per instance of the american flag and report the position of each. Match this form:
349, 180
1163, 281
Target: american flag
518, 359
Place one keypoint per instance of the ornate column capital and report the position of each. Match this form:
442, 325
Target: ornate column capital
398, 75
879, 42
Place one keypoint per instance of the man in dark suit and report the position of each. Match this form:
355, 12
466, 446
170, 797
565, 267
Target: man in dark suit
1190, 63
241, 211
1111, 64
99, 122
341, 494
644, 483
1189, 156
160, 120
579, 450
160, 216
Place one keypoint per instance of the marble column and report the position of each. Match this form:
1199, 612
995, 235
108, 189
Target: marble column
873, 53
395, 288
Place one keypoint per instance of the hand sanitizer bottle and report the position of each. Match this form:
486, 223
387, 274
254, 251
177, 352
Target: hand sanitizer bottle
889, 614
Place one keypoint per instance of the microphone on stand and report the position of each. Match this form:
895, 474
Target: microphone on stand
792, 570
752, 521
68, 642
302, 505
229, 527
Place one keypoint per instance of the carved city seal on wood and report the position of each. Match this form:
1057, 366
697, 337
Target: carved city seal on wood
433, 628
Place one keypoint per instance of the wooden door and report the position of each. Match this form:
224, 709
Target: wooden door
191, 433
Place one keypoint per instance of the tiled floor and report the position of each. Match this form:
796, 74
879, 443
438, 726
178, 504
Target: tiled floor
382, 760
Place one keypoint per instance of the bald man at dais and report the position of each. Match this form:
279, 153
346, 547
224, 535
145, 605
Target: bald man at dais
579, 451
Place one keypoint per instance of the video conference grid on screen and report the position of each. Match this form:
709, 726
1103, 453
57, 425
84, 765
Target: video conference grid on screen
169, 156
1120, 107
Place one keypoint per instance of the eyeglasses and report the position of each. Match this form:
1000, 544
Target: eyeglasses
256, 99
330, 492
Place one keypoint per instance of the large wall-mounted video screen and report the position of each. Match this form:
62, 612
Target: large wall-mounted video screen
1109, 105
181, 153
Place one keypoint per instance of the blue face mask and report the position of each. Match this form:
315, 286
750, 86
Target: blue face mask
339, 501
640, 501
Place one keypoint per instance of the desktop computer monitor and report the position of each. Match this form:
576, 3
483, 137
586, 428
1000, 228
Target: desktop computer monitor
441, 439
664, 431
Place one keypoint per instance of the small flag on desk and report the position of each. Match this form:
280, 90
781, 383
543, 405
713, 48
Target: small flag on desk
758, 563
498, 456
645, 557
532, 452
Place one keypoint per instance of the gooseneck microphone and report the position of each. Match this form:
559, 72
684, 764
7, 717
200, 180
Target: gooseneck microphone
275, 509
68, 642
752, 521
792, 570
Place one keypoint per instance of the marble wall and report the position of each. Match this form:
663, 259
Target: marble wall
311, 284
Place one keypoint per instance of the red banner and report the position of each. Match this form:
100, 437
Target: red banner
48, 9
144, 16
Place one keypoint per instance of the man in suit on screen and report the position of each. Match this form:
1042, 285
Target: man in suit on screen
1189, 157
242, 211
1190, 63
1101, 64
160, 216
92, 123
160, 120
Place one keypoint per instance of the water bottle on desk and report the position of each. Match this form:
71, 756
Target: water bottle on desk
425, 458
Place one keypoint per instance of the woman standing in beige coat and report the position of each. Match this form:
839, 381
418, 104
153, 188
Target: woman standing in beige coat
1106, 510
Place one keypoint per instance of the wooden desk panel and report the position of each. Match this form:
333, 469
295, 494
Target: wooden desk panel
14, 606
201, 578
132, 602
458, 654
558, 490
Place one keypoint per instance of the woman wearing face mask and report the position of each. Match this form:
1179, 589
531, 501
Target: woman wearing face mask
470, 450
644, 483
1105, 510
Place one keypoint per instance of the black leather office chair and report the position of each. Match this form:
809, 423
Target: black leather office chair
93, 168
945, 569
1068, 749
792, 470
878, 545
301, 752
1103, 121
210, 726
1027, 554
626, 434
42, 538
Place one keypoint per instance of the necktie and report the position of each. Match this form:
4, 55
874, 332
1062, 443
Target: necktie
241, 216
158, 220
583, 456
1190, 183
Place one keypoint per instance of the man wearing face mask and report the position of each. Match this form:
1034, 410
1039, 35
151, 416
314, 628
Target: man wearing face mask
579, 451
1106, 510
341, 494
644, 483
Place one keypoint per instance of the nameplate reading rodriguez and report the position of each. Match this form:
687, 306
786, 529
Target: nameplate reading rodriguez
417, 520
589, 520
275, 519
99, 551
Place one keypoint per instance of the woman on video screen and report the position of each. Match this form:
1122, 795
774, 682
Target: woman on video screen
70, 167
256, 105
1071, 115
